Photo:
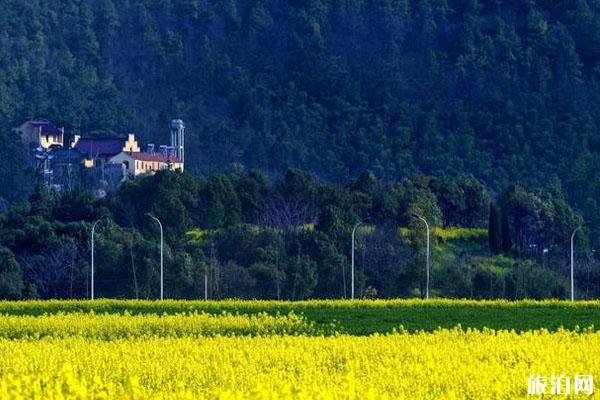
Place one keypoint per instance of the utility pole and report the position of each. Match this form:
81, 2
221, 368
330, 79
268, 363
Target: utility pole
427, 254
352, 258
92, 255
205, 285
572, 263
161, 252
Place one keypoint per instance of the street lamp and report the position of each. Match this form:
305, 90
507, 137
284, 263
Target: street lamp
161, 252
427, 254
205, 285
572, 264
352, 257
92, 252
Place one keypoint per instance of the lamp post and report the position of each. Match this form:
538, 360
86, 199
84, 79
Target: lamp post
572, 264
352, 258
161, 252
427, 254
205, 286
92, 254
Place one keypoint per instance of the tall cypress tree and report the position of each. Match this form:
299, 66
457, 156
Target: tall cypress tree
494, 231
506, 239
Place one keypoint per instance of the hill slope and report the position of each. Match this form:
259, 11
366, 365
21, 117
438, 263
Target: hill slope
502, 89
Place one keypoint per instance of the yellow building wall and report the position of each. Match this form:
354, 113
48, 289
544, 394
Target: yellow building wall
150, 167
131, 145
177, 166
124, 158
140, 167
48, 140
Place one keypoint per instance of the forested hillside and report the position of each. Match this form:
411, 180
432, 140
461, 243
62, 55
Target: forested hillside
505, 90
253, 237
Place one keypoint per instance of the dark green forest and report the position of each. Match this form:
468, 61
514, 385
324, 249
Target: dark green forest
434, 94
289, 238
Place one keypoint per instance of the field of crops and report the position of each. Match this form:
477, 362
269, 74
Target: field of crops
247, 350
359, 317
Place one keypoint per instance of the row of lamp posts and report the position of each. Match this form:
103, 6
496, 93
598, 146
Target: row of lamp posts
161, 253
427, 257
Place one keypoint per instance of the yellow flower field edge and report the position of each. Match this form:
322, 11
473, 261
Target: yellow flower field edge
35, 307
116, 326
445, 364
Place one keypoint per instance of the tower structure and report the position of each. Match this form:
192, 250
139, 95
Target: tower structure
177, 138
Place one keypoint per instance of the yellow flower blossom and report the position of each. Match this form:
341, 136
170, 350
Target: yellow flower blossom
446, 364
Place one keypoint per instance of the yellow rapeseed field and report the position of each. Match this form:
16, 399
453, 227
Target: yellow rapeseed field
195, 350
114, 326
444, 364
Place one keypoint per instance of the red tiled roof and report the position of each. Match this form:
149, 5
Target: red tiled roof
93, 147
156, 157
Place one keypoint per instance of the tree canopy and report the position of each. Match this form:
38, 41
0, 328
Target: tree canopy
251, 236
506, 91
